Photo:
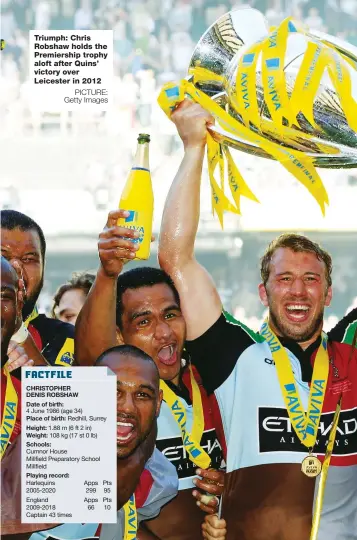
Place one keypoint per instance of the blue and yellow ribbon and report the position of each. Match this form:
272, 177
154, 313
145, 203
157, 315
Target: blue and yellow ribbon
191, 441
130, 519
9, 414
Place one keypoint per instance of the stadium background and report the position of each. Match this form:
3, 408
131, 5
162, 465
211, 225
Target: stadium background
67, 170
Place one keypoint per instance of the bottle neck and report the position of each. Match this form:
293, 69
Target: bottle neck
142, 156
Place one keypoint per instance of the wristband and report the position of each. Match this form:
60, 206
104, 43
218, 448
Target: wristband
21, 335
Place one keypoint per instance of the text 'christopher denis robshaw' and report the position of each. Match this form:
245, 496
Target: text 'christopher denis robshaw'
69, 455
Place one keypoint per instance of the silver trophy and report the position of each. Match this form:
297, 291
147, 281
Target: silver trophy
219, 51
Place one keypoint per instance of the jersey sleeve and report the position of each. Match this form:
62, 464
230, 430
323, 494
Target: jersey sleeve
57, 341
163, 486
69, 531
216, 352
114, 531
345, 329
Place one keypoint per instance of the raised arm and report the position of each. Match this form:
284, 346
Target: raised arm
22, 336
96, 323
200, 302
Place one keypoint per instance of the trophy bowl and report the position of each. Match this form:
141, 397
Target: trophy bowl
330, 142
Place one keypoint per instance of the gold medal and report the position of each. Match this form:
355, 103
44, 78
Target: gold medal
311, 466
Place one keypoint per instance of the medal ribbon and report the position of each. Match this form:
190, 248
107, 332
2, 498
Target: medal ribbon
323, 477
305, 424
130, 519
9, 413
191, 441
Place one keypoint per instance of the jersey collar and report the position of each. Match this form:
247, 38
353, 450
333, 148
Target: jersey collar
32, 316
304, 356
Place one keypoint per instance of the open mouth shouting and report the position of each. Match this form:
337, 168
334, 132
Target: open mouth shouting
297, 312
168, 354
126, 431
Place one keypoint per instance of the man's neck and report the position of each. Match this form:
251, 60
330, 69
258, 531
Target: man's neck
133, 459
128, 475
303, 344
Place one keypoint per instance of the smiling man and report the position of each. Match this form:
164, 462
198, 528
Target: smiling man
45, 340
138, 406
148, 314
142, 308
141, 468
143, 474
296, 307
138, 398
142, 295
10, 387
276, 436
10, 436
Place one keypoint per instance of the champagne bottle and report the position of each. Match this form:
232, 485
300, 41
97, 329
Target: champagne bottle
138, 199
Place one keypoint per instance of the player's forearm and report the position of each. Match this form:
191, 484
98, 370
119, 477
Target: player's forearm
181, 212
96, 323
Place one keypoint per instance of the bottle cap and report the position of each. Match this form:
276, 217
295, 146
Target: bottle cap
143, 138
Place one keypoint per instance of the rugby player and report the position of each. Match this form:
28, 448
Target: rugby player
141, 306
267, 495
46, 341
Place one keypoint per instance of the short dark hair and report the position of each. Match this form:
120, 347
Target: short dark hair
11, 219
127, 350
144, 276
297, 243
82, 281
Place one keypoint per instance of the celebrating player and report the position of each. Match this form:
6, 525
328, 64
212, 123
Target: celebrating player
45, 340
142, 307
138, 405
263, 381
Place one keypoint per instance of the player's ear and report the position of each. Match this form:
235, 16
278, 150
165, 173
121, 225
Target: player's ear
159, 401
263, 294
120, 340
328, 297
